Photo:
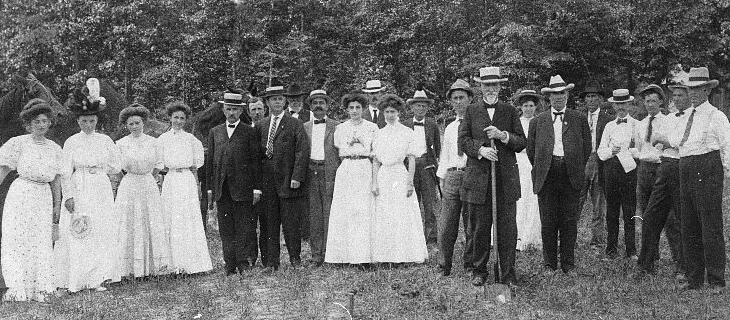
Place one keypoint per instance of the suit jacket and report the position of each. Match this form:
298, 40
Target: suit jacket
290, 157
236, 160
331, 155
304, 115
367, 116
433, 139
576, 147
604, 117
472, 137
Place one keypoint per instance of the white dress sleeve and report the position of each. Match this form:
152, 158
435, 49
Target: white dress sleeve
68, 187
198, 154
10, 152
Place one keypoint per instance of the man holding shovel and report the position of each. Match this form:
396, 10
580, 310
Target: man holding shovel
490, 135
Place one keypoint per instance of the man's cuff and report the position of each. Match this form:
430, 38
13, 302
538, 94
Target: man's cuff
506, 137
256, 191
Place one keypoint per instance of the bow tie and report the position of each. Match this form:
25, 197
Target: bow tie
558, 113
679, 113
292, 112
320, 121
418, 124
232, 126
620, 121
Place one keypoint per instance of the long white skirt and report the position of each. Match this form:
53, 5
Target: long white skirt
86, 263
27, 243
144, 236
181, 207
528, 211
351, 214
398, 229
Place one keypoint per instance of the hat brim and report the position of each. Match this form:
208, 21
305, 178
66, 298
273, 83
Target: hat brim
568, 87
320, 96
372, 90
468, 91
477, 79
695, 84
584, 93
631, 98
231, 104
519, 96
414, 100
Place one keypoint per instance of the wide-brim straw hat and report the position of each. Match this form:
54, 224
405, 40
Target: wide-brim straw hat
460, 84
419, 96
621, 96
653, 88
700, 77
232, 99
372, 86
557, 85
489, 75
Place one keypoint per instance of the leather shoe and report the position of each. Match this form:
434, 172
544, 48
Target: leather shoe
444, 271
478, 280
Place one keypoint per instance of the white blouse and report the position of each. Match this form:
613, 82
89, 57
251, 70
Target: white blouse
35, 161
140, 155
355, 140
394, 143
83, 151
181, 150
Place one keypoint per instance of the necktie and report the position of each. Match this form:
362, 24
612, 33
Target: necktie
560, 114
459, 152
375, 115
620, 121
270, 141
232, 126
292, 112
648, 131
319, 121
418, 124
689, 127
590, 120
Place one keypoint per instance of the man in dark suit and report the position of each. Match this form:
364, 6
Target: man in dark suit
374, 91
592, 190
558, 146
323, 162
489, 119
425, 181
234, 158
286, 161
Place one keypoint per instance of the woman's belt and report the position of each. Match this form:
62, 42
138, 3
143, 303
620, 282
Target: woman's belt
91, 170
33, 180
355, 157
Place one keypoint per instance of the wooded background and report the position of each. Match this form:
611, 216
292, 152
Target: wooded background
156, 51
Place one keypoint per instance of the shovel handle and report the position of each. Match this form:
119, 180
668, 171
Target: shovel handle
497, 264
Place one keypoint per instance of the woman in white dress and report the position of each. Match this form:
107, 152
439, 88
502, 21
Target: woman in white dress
85, 254
144, 233
32, 206
183, 155
528, 212
397, 226
351, 213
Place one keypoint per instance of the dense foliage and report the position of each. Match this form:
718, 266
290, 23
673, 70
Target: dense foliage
160, 50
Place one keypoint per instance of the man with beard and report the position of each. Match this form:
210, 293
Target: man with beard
295, 102
374, 91
323, 162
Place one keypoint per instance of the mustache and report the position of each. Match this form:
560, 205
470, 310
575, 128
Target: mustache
318, 108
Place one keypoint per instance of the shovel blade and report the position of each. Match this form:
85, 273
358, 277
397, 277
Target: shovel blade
500, 293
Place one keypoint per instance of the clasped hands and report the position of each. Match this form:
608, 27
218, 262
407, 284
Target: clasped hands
493, 133
376, 191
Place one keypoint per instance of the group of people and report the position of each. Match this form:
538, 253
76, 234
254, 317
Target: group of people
376, 188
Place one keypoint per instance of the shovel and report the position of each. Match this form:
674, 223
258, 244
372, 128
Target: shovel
498, 291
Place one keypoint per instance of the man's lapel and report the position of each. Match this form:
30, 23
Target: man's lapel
284, 118
566, 120
329, 129
548, 132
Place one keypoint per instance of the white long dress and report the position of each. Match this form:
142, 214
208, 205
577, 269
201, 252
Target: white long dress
353, 204
397, 227
528, 211
144, 241
27, 226
89, 261
181, 205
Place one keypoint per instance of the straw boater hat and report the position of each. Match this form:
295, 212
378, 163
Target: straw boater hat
593, 87
460, 85
557, 85
653, 88
621, 96
232, 98
319, 93
526, 93
699, 77
372, 86
274, 89
489, 75
419, 96
294, 90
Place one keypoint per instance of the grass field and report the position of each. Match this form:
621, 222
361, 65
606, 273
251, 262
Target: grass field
599, 290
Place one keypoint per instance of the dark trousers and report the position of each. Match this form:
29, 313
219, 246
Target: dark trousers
282, 214
701, 186
646, 175
202, 174
425, 185
320, 201
620, 196
480, 223
663, 205
260, 212
593, 192
237, 228
558, 202
452, 208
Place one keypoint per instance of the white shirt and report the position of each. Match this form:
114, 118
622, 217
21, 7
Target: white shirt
672, 124
558, 132
710, 131
449, 157
620, 135
420, 132
593, 122
647, 152
490, 110
275, 119
372, 110
229, 129
318, 131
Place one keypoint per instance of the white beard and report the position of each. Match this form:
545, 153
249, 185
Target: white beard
491, 99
